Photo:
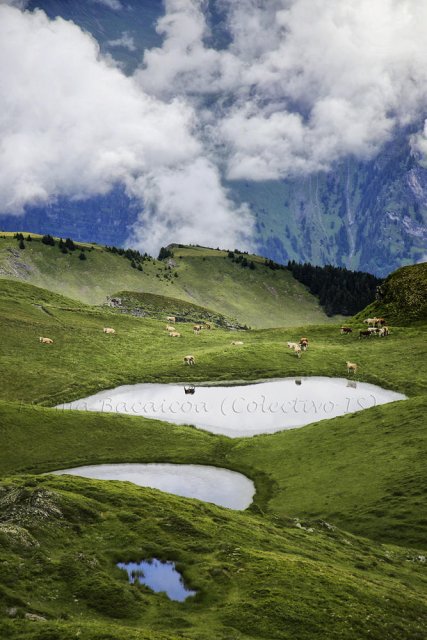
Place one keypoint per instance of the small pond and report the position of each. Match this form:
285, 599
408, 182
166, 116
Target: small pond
159, 576
211, 484
244, 410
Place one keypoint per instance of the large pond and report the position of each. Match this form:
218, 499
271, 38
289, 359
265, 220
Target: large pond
244, 410
159, 576
211, 484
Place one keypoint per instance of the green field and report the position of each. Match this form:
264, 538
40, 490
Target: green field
333, 545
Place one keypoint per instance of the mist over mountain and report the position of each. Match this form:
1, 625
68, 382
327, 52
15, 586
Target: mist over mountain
232, 124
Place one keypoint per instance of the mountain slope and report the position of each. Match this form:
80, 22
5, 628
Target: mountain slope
260, 298
370, 216
255, 578
402, 297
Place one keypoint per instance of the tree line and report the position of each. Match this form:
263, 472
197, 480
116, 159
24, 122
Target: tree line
340, 291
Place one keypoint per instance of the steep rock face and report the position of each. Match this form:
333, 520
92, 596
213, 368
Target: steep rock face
369, 216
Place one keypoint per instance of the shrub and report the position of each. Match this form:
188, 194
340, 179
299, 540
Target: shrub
47, 239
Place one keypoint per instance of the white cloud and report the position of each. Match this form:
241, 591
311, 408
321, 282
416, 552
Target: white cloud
115, 5
126, 41
303, 82
72, 124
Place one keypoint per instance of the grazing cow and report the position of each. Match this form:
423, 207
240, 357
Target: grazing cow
351, 366
45, 340
346, 330
169, 328
370, 321
303, 343
236, 342
383, 332
189, 360
373, 331
292, 345
364, 334
197, 329
109, 330
170, 319
174, 334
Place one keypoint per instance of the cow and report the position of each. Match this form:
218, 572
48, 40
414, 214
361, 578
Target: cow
345, 330
364, 334
174, 334
303, 343
236, 342
351, 366
109, 330
169, 328
383, 332
292, 345
189, 360
380, 322
170, 319
298, 350
373, 331
370, 321
208, 325
197, 329
45, 340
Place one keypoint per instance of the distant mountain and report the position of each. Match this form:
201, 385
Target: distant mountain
369, 216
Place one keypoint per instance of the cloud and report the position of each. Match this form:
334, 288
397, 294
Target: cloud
125, 40
302, 83
296, 86
73, 124
115, 5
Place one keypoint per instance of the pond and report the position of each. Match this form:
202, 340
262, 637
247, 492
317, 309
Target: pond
211, 484
159, 576
243, 410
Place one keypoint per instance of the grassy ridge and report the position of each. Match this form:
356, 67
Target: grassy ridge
402, 297
259, 298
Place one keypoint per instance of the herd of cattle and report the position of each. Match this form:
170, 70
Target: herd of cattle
376, 327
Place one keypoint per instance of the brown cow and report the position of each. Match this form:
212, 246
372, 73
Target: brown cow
303, 343
344, 330
364, 334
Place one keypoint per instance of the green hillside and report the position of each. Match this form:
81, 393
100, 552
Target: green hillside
254, 577
402, 298
205, 277
334, 543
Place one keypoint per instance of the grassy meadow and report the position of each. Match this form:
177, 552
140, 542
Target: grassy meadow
334, 543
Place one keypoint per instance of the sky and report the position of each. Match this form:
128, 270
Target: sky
296, 86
